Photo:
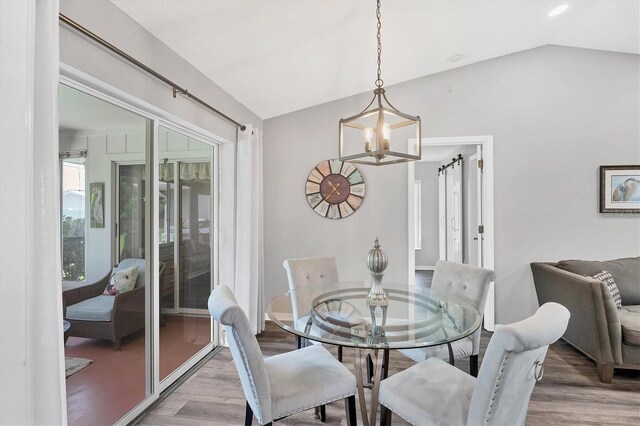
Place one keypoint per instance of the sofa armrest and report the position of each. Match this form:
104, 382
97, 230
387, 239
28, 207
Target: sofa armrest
78, 294
594, 327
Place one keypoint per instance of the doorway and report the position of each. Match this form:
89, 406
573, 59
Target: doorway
451, 208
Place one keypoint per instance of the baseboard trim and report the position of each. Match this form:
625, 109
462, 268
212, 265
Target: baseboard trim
425, 268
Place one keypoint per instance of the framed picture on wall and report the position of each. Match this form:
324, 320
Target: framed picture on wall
96, 204
620, 189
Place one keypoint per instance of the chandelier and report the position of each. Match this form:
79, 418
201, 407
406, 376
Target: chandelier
366, 138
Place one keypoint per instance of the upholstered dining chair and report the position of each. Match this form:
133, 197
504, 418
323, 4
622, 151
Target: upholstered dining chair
470, 284
283, 384
434, 392
308, 272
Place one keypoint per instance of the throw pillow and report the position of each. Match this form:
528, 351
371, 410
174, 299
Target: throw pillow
606, 278
121, 281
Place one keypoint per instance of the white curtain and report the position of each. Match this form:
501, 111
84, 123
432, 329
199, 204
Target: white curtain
32, 385
249, 276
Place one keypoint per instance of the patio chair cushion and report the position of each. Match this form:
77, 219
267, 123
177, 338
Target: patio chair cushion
121, 281
95, 309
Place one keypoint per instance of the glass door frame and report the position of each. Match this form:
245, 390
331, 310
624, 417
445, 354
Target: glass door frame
215, 257
178, 232
85, 83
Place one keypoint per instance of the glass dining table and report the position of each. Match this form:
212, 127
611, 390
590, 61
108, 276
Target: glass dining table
341, 314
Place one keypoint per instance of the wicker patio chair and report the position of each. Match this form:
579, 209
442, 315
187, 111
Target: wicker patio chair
104, 317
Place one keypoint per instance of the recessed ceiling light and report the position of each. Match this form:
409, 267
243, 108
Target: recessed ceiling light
558, 10
455, 58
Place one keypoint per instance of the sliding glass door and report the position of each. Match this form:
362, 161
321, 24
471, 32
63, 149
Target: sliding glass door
186, 204
106, 294
137, 193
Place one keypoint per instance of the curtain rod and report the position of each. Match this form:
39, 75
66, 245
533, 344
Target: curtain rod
177, 89
453, 161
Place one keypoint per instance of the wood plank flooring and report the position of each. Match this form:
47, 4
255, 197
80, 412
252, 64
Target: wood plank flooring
570, 392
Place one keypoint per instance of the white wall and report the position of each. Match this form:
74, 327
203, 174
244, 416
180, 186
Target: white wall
556, 115
427, 172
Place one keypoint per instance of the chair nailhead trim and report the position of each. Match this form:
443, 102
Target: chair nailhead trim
313, 405
496, 386
251, 382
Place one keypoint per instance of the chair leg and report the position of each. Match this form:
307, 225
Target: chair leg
248, 416
316, 412
385, 416
350, 408
323, 413
340, 353
298, 342
605, 372
473, 365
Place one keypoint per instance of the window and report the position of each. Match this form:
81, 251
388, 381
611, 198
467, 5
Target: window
73, 219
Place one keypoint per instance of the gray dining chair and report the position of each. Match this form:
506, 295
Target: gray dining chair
436, 393
471, 284
309, 272
283, 384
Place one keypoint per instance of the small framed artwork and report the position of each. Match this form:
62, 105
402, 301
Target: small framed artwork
620, 189
96, 204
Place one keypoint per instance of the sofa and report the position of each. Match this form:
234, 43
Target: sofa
606, 334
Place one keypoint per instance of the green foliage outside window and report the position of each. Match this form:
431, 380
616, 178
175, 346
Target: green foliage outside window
73, 268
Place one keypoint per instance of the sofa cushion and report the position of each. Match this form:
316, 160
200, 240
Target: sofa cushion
606, 278
95, 309
630, 322
625, 272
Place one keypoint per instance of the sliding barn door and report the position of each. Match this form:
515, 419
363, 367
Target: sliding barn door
450, 213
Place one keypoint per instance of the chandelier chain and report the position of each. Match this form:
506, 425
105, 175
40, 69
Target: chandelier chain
379, 81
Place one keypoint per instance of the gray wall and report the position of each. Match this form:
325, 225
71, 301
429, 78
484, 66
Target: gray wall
556, 115
105, 19
429, 254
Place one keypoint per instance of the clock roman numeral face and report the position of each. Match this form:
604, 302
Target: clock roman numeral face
335, 189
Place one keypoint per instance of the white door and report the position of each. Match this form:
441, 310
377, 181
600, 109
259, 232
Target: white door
474, 213
478, 229
454, 213
442, 214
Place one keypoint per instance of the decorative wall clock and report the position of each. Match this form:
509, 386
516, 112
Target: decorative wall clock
335, 189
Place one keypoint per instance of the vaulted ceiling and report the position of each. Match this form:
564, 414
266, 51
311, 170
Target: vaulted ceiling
284, 55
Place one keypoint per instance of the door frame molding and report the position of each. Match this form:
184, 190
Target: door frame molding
486, 142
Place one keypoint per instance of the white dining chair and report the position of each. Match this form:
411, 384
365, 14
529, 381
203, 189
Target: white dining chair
309, 272
436, 393
471, 284
283, 384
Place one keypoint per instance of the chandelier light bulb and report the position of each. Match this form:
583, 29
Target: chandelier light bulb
368, 137
386, 136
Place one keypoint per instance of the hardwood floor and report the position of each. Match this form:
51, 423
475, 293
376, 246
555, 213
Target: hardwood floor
570, 392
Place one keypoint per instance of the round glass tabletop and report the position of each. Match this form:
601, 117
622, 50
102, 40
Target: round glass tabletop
339, 314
